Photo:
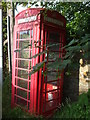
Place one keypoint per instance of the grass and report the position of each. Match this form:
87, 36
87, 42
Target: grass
79, 109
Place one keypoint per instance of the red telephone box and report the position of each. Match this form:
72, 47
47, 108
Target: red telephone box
38, 94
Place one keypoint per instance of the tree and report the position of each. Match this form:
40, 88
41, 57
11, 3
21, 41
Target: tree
77, 15
4, 30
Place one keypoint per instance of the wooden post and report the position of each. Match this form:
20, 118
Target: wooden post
9, 45
10, 13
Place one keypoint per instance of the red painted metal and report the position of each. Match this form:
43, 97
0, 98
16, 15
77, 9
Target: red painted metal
37, 94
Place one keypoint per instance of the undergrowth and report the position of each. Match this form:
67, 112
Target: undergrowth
79, 109
7, 112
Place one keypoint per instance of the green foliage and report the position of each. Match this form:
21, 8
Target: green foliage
37, 67
4, 17
4, 36
72, 56
77, 15
79, 109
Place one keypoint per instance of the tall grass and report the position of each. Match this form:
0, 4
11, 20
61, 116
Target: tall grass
79, 109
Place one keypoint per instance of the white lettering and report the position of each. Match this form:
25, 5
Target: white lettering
29, 19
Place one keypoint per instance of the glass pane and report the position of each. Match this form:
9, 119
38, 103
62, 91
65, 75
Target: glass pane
24, 44
25, 34
53, 55
23, 74
51, 75
49, 66
31, 33
17, 35
21, 93
23, 54
23, 64
31, 44
17, 44
54, 40
22, 103
54, 47
22, 83
51, 98
54, 37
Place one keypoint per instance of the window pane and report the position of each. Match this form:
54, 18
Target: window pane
22, 83
53, 56
54, 40
23, 54
22, 93
54, 37
17, 35
51, 75
23, 64
23, 74
24, 44
31, 33
25, 34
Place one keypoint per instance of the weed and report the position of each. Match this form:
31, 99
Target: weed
79, 109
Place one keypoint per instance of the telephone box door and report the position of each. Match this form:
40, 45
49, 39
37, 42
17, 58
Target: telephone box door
24, 88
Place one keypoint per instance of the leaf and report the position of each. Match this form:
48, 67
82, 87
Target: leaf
18, 50
86, 47
54, 65
37, 67
64, 64
71, 43
84, 40
74, 48
51, 45
38, 54
73, 66
68, 54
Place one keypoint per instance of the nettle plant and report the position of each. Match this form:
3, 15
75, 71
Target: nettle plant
74, 51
